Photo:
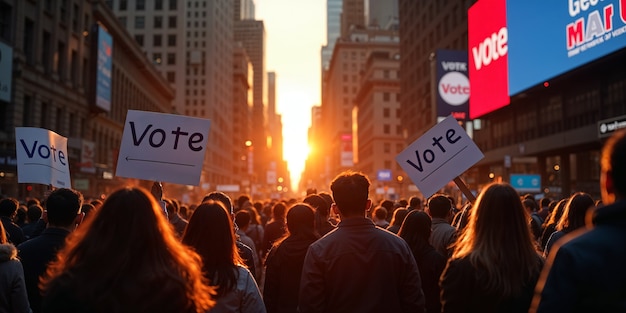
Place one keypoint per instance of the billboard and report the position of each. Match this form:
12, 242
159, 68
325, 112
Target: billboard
103, 69
453, 87
549, 38
487, 39
526, 182
346, 156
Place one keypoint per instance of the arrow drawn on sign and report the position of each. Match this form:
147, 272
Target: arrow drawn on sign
42, 164
157, 161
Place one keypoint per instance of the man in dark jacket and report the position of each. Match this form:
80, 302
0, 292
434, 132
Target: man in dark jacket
62, 215
359, 267
586, 274
8, 209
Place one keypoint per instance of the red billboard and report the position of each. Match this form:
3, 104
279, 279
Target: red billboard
488, 56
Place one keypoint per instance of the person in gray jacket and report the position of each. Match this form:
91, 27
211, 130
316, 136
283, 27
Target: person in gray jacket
359, 267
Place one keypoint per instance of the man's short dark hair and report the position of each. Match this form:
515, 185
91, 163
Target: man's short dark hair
351, 192
34, 213
415, 203
613, 156
321, 206
439, 205
8, 207
62, 206
242, 218
545, 201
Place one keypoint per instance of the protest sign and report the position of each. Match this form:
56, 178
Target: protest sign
163, 147
437, 157
42, 157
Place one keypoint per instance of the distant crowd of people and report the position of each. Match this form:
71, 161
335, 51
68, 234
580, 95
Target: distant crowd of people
337, 251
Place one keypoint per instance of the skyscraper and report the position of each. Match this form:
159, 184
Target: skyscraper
333, 29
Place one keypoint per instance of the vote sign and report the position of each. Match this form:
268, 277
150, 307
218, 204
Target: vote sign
163, 147
437, 157
42, 157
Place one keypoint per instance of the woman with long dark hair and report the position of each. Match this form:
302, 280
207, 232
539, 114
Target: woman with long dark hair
285, 259
211, 234
126, 258
495, 264
573, 217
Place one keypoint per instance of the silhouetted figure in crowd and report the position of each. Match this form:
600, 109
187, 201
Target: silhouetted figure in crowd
33, 215
397, 219
245, 252
8, 210
13, 297
211, 234
494, 266
379, 217
586, 273
415, 203
173, 215
573, 218
535, 221
285, 259
350, 269
61, 216
553, 220
416, 231
276, 227
444, 235
322, 209
126, 258
544, 208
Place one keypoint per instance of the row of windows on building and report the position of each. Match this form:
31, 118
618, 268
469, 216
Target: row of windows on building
140, 5
157, 22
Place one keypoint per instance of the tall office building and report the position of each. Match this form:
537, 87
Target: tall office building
242, 115
251, 34
352, 16
191, 42
381, 13
333, 29
244, 10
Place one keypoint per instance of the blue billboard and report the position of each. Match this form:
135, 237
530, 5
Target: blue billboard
549, 38
103, 70
526, 182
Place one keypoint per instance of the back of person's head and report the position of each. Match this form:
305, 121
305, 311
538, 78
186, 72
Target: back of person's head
131, 223
34, 213
350, 193
398, 216
439, 206
318, 203
575, 211
416, 227
8, 207
614, 167
62, 206
278, 211
557, 212
402, 203
20, 216
530, 204
311, 191
223, 198
498, 239
243, 201
380, 213
242, 218
327, 197
211, 234
415, 203
88, 209
300, 220
32, 201
545, 202
387, 204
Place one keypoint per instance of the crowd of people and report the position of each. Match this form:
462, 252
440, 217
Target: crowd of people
337, 251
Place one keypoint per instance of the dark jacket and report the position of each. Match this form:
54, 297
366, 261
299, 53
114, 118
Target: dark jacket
586, 273
15, 234
463, 290
282, 274
359, 267
273, 230
430, 264
13, 296
35, 255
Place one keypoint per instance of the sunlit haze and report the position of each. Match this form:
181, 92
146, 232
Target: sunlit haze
295, 32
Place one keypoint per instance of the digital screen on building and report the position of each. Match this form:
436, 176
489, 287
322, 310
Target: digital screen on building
453, 88
549, 38
488, 56
103, 70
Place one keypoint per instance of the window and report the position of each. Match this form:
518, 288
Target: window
171, 58
139, 39
140, 22
29, 38
386, 96
158, 4
5, 21
74, 68
173, 4
61, 60
171, 77
387, 147
122, 20
156, 40
75, 16
386, 112
156, 58
158, 21
171, 22
123, 5
171, 40
386, 129
140, 5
